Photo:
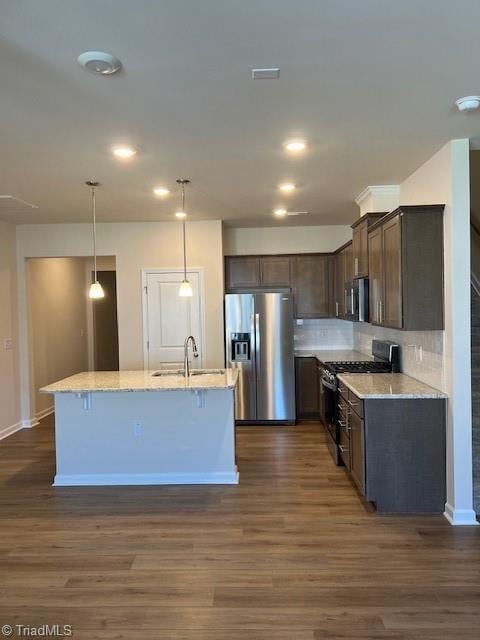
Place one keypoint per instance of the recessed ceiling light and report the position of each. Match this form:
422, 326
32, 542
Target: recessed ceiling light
180, 215
295, 146
99, 62
124, 152
280, 212
287, 187
468, 103
161, 192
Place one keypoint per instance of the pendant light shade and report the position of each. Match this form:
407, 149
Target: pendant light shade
185, 290
96, 290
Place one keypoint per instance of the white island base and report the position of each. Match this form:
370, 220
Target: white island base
138, 437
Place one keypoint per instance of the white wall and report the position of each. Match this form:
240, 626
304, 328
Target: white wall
445, 179
9, 385
271, 240
57, 307
136, 246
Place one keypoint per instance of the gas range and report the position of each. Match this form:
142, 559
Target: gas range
386, 358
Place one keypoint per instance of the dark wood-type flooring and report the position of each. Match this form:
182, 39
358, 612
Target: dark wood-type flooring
291, 553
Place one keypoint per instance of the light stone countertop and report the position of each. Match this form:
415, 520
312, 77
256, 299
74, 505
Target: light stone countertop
333, 355
388, 385
111, 381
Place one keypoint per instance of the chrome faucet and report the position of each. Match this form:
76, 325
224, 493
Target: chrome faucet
186, 363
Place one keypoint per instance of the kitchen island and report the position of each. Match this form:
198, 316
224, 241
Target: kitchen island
145, 427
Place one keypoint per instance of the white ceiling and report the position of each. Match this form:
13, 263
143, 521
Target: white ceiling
371, 84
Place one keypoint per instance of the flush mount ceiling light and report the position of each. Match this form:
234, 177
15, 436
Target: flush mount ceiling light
280, 212
96, 290
298, 145
185, 290
124, 152
161, 192
468, 103
99, 62
287, 187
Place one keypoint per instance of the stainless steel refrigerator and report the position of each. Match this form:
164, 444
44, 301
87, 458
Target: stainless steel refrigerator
259, 343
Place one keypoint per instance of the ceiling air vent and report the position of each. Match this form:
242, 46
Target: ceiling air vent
266, 74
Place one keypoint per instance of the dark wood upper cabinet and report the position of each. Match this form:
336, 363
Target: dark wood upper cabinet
339, 284
360, 243
307, 387
250, 272
406, 269
349, 268
391, 307
242, 272
375, 269
311, 282
275, 271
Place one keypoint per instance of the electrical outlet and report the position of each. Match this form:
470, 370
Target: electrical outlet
137, 429
8, 344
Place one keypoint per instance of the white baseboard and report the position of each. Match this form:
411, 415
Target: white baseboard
29, 423
45, 412
8, 431
460, 517
110, 479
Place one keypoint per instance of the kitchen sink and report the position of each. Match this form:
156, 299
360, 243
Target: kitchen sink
207, 372
166, 373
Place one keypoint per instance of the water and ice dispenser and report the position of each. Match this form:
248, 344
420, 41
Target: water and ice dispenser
241, 350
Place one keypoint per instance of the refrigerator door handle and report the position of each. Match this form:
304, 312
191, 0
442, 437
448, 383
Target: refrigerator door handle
257, 343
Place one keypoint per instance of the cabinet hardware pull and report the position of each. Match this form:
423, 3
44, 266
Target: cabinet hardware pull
342, 448
336, 309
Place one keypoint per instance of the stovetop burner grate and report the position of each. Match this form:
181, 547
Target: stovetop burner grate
370, 366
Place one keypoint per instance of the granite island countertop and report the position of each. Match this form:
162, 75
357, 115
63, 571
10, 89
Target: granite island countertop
333, 355
388, 385
131, 381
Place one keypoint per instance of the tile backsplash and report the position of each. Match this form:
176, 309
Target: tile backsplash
421, 351
323, 334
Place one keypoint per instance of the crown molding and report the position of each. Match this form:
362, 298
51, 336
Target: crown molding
378, 190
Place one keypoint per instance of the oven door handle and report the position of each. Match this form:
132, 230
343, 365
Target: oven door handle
328, 385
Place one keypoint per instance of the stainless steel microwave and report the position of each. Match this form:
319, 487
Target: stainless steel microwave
356, 300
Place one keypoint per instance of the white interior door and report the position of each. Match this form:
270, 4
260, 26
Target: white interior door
169, 319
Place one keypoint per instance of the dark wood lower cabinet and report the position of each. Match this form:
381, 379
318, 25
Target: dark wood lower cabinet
394, 450
357, 450
405, 454
307, 388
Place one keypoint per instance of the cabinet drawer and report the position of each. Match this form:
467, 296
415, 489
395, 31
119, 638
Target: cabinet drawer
343, 405
343, 389
344, 446
355, 403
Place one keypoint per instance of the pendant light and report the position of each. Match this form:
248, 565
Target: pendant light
185, 290
96, 290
